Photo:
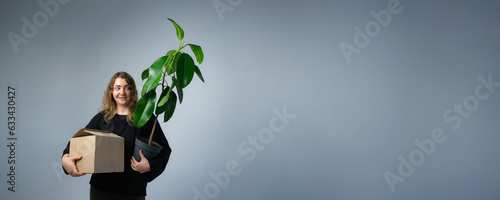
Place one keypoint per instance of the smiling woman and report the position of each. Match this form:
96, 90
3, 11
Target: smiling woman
115, 116
120, 96
121, 91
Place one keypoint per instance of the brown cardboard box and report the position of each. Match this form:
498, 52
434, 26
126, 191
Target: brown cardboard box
101, 151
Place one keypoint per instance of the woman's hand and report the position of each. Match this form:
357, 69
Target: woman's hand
141, 167
69, 165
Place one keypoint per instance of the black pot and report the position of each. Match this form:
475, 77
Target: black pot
149, 152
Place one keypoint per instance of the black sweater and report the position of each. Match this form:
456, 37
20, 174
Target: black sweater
129, 182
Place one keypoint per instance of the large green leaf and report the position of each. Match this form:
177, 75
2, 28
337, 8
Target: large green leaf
185, 70
155, 72
144, 109
170, 107
198, 53
198, 72
175, 84
180, 32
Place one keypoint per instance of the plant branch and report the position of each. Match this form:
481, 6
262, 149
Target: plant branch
152, 131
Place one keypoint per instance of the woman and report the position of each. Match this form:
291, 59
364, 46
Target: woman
116, 116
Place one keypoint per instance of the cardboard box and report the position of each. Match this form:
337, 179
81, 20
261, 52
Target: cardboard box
101, 151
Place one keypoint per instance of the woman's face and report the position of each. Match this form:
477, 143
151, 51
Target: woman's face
121, 92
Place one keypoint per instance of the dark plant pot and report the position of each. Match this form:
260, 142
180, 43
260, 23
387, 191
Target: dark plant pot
149, 152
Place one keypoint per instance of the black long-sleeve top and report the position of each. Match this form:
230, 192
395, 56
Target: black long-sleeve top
129, 182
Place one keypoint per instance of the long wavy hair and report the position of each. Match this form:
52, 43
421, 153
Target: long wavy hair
108, 107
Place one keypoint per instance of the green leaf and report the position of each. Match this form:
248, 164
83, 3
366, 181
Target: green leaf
144, 88
145, 74
198, 72
174, 63
155, 72
171, 52
164, 96
170, 107
169, 64
184, 70
179, 89
198, 53
180, 32
144, 109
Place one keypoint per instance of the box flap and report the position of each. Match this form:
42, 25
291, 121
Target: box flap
87, 132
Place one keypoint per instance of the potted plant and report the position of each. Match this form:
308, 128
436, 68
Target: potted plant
173, 70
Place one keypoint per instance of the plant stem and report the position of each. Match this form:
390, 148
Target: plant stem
152, 131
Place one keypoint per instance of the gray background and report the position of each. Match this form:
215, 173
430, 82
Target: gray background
353, 120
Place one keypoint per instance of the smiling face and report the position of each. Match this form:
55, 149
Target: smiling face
121, 93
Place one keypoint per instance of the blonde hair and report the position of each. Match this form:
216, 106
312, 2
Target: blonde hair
108, 107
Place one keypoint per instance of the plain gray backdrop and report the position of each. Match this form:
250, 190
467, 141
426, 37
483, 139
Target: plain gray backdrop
338, 94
